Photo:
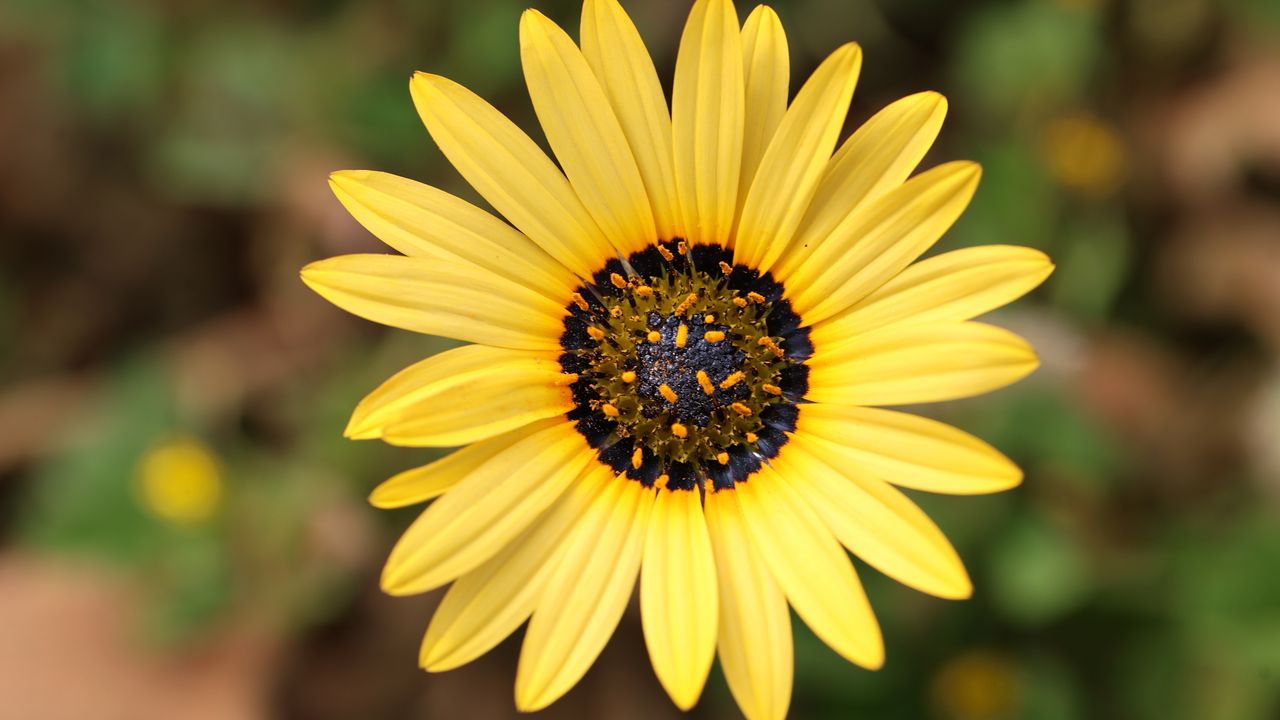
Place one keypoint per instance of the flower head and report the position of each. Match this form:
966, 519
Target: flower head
680, 344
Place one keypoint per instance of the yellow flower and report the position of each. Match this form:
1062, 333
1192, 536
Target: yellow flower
179, 482
977, 685
1085, 153
677, 350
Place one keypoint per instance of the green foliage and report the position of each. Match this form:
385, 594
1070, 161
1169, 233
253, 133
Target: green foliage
1093, 260
85, 502
83, 499
1038, 572
1013, 203
1021, 58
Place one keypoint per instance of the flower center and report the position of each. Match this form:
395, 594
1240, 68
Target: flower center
691, 359
688, 367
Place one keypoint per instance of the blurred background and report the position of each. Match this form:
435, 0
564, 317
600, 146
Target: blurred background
183, 532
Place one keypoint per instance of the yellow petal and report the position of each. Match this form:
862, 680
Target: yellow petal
485, 510
919, 363
451, 403
420, 220
811, 566
707, 121
439, 297
435, 479
766, 69
953, 286
754, 640
909, 450
463, 395
877, 158
511, 172
584, 133
876, 522
678, 602
487, 604
614, 50
586, 595
869, 247
795, 159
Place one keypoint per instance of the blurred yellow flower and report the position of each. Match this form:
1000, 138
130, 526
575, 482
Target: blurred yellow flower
179, 481
1085, 153
978, 685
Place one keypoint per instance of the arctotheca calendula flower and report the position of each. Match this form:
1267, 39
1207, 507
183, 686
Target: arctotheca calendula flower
681, 345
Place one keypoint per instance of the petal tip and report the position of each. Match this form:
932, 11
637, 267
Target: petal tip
422, 82
955, 585
431, 658
1015, 477
531, 15
850, 49
378, 498
766, 13
359, 428
533, 27
390, 583
685, 698
528, 701
396, 582
934, 97
310, 274
339, 176
872, 657
970, 171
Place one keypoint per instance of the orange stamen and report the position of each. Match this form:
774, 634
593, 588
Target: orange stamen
768, 342
705, 382
733, 379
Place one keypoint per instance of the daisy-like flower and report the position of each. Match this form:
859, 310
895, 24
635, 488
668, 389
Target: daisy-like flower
681, 346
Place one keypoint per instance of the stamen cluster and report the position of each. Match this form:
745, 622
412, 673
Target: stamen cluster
688, 367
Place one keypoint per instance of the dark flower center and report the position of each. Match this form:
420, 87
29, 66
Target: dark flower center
688, 367
668, 362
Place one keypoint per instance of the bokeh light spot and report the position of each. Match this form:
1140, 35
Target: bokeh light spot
1085, 153
179, 481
